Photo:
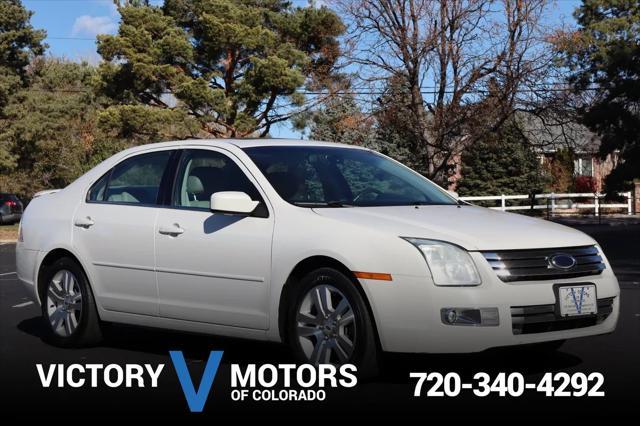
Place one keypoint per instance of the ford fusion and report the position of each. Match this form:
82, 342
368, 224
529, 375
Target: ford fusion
336, 250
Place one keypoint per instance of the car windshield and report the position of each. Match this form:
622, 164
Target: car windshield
320, 176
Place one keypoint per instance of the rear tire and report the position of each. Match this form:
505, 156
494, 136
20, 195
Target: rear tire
69, 311
328, 323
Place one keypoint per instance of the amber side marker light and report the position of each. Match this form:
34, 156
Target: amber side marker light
372, 276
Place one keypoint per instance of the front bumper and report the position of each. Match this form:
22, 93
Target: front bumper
408, 315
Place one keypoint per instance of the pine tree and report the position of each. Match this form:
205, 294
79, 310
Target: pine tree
19, 43
502, 163
604, 54
50, 131
227, 68
342, 120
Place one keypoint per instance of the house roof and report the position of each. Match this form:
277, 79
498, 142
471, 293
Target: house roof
549, 135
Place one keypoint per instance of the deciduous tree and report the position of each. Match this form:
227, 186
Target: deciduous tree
448, 55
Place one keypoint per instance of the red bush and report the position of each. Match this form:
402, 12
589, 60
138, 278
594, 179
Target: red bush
585, 184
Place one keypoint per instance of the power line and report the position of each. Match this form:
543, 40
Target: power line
71, 38
357, 93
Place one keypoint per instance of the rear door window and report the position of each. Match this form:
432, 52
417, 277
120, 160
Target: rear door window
136, 180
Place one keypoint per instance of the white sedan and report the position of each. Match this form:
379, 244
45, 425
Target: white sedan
336, 250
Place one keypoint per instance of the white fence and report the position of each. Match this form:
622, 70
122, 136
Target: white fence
554, 202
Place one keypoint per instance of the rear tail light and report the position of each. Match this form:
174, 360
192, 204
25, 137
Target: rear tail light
10, 203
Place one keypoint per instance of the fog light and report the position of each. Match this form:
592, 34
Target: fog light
482, 317
451, 316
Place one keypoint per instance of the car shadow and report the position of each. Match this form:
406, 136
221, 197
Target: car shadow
219, 221
395, 367
196, 347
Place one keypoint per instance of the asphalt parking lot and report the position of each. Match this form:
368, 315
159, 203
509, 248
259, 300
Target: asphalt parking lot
616, 356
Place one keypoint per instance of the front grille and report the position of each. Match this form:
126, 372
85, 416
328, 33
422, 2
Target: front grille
535, 264
543, 318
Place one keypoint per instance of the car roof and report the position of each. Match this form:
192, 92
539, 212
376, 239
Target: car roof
250, 143
241, 143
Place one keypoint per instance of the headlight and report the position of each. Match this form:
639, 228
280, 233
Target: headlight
448, 263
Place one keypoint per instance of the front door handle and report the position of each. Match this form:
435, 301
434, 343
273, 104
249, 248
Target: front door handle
85, 222
173, 230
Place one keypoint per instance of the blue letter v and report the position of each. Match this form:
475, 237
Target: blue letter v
196, 400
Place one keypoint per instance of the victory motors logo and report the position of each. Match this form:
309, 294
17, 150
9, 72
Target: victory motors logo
196, 399
263, 383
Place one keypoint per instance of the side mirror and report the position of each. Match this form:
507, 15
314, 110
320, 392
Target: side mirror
232, 202
454, 194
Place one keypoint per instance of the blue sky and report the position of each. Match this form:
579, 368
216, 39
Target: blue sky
72, 26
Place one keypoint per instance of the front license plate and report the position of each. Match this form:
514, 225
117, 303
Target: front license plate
577, 300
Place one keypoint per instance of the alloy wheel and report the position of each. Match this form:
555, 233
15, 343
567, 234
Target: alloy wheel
64, 303
326, 326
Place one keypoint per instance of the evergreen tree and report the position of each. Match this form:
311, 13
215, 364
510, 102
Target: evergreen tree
227, 68
50, 131
604, 53
502, 163
19, 43
396, 127
342, 120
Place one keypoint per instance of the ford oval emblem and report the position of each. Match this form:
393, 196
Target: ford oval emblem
562, 261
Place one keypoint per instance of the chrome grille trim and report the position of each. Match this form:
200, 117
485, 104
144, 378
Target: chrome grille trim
544, 318
534, 264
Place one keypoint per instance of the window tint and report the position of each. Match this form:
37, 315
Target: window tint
331, 176
96, 193
203, 173
136, 180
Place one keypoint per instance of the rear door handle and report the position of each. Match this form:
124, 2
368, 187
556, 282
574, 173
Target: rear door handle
85, 222
173, 230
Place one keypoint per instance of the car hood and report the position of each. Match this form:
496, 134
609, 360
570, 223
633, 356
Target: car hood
474, 228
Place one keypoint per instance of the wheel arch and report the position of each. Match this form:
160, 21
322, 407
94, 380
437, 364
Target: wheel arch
306, 266
52, 256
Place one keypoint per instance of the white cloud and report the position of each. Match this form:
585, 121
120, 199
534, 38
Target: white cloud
90, 56
113, 9
93, 25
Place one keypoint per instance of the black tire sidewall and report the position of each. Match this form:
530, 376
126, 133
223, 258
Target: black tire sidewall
365, 351
88, 307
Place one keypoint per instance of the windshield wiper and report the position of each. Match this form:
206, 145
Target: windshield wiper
338, 204
428, 203
321, 204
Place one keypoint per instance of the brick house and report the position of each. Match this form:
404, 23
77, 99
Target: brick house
589, 169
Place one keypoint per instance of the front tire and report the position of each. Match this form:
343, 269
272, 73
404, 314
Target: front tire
68, 308
329, 323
